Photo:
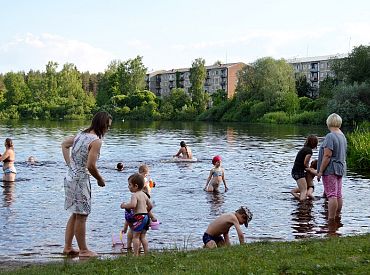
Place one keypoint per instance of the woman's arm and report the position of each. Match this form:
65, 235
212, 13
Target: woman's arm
178, 153
5, 155
325, 162
66, 144
91, 161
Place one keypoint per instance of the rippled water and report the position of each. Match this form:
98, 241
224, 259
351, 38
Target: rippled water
257, 161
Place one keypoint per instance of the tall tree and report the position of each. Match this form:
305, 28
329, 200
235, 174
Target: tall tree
302, 86
197, 78
270, 81
354, 68
16, 88
131, 75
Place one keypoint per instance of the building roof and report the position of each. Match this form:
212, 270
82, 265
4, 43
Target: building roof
182, 70
317, 58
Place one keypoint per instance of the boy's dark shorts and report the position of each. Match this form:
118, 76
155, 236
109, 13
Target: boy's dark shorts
207, 238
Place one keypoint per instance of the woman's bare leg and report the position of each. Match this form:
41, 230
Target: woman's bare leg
68, 237
80, 233
302, 185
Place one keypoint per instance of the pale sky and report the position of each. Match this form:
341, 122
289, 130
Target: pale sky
172, 34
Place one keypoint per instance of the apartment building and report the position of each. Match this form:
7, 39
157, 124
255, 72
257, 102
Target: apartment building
218, 77
316, 69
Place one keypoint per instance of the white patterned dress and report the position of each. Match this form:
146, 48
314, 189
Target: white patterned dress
77, 184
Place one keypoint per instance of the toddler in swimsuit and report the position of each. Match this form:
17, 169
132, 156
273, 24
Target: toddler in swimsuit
141, 205
216, 175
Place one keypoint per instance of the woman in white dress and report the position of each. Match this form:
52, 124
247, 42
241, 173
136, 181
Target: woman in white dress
81, 162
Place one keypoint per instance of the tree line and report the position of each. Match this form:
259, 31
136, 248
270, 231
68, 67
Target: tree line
267, 91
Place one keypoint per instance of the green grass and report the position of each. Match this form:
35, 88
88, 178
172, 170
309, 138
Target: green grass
336, 255
358, 157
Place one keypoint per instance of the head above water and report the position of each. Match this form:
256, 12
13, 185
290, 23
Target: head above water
120, 166
182, 144
312, 141
243, 210
143, 169
216, 159
9, 143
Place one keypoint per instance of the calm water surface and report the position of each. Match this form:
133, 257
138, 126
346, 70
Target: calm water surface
257, 161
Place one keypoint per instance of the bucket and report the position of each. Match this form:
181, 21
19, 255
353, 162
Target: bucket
154, 225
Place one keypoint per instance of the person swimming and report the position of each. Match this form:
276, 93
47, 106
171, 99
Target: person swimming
184, 151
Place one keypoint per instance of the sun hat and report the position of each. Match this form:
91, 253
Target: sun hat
215, 159
248, 213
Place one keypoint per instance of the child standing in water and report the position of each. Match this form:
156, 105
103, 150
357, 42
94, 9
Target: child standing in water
217, 233
137, 220
300, 165
216, 175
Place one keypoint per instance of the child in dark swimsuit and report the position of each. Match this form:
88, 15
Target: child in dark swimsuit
216, 175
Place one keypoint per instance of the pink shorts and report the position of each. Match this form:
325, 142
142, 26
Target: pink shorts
332, 186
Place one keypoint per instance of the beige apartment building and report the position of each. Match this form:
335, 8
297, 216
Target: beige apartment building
316, 69
218, 77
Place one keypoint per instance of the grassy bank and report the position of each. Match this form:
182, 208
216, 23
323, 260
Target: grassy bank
347, 255
359, 150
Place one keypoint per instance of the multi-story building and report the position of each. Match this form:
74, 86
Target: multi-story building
218, 77
316, 69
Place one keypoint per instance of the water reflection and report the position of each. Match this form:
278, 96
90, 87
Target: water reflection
216, 200
8, 192
303, 219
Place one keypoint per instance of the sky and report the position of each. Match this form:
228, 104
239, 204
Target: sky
171, 34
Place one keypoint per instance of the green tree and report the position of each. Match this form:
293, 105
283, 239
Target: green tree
108, 85
16, 88
131, 75
354, 68
197, 78
270, 81
302, 86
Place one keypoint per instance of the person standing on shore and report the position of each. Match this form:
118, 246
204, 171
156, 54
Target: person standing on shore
81, 162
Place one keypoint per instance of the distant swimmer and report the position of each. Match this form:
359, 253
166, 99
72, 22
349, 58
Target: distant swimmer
184, 151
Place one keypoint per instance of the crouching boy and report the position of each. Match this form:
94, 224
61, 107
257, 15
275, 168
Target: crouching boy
217, 233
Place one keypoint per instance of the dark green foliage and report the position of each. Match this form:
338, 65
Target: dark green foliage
197, 78
354, 68
302, 86
351, 102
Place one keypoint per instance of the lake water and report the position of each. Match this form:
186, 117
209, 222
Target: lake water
257, 161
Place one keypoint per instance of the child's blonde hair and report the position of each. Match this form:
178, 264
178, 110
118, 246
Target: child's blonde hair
143, 169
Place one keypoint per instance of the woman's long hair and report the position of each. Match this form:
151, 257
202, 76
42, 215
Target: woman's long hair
100, 124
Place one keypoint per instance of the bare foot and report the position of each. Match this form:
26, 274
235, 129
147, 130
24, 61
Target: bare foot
87, 254
71, 252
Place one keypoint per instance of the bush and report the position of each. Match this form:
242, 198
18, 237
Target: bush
311, 117
275, 117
